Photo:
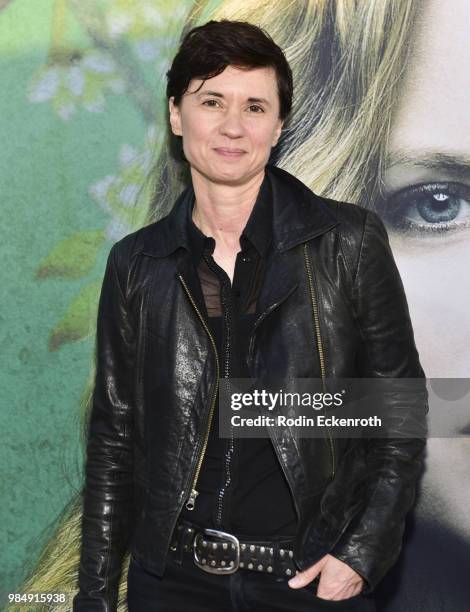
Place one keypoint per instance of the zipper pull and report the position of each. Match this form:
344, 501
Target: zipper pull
191, 502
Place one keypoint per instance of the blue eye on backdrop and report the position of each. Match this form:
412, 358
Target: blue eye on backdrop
428, 207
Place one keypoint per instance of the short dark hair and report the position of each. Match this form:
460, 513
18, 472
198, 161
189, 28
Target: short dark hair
207, 50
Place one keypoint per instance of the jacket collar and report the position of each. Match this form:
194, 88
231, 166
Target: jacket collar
298, 215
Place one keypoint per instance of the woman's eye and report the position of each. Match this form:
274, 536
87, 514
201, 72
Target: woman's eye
257, 107
430, 207
207, 101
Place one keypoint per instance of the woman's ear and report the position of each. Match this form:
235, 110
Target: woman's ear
277, 132
175, 117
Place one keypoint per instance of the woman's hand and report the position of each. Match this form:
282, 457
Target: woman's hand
337, 579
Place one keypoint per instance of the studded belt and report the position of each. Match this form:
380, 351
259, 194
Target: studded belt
219, 552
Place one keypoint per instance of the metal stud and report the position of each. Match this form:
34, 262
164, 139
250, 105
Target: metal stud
262, 550
281, 552
271, 551
222, 563
190, 529
233, 546
204, 543
291, 554
213, 562
243, 546
252, 548
269, 568
288, 572
241, 564
250, 565
203, 561
260, 567
225, 545
214, 545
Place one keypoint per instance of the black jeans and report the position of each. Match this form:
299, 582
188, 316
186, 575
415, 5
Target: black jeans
186, 588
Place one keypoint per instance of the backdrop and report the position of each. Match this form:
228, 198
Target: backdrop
382, 91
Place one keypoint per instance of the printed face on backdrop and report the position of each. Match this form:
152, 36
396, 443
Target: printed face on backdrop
427, 182
230, 124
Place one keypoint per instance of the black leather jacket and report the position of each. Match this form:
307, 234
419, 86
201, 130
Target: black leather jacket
332, 305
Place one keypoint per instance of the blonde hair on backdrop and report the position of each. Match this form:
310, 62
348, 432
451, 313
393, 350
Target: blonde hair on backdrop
347, 58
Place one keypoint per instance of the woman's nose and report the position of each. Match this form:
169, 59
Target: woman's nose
232, 124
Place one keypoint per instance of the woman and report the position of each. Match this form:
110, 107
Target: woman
158, 479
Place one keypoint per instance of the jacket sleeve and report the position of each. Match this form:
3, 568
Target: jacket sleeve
372, 541
108, 490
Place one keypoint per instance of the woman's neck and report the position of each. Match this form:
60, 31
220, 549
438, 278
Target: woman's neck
222, 210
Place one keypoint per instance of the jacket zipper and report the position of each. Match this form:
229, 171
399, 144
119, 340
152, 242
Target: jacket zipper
191, 500
231, 444
311, 283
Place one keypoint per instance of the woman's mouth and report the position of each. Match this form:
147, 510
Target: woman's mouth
229, 152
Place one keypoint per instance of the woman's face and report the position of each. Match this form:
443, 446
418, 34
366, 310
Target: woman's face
230, 124
427, 184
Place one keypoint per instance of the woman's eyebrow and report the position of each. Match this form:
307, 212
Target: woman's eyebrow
207, 92
454, 163
261, 100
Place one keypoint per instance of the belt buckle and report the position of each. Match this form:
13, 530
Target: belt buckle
231, 541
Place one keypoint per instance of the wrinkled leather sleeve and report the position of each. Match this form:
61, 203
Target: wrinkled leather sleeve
372, 542
108, 487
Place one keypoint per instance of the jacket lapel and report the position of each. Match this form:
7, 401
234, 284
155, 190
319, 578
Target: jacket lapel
279, 282
298, 215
